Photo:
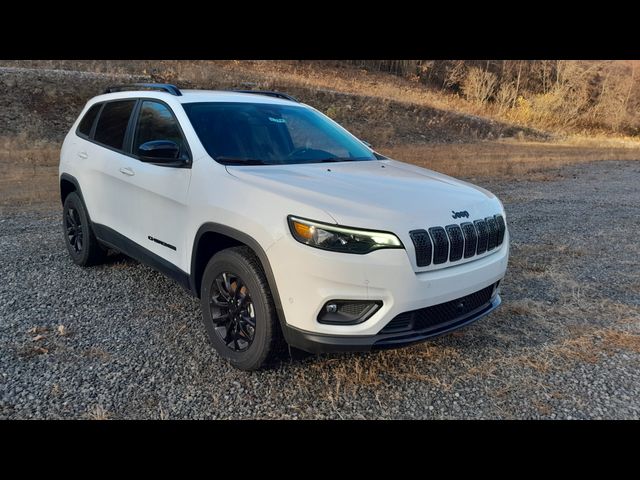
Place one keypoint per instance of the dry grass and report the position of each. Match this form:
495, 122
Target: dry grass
364, 372
97, 353
543, 408
616, 340
579, 349
98, 412
518, 160
56, 390
525, 308
589, 345
28, 175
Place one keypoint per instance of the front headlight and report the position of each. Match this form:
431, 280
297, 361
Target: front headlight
340, 239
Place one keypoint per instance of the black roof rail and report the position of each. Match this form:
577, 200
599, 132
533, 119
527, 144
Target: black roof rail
162, 87
269, 94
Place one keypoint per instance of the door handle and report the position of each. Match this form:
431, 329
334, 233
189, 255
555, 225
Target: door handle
127, 171
83, 155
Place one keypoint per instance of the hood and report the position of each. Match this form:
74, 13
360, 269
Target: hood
368, 194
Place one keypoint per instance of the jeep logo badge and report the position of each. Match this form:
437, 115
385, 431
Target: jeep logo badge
461, 214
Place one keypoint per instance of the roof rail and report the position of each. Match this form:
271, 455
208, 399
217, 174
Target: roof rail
161, 87
269, 94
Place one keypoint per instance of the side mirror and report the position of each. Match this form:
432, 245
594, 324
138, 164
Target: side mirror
159, 151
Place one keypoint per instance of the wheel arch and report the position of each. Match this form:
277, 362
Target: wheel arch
214, 237
68, 184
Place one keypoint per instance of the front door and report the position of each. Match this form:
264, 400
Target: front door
160, 191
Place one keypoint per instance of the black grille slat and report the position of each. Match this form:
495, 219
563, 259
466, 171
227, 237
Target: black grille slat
470, 239
456, 242
440, 245
483, 236
422, 243
399, 323
493, 233
502, 227
436, 315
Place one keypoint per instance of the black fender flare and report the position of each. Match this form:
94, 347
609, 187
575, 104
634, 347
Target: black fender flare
74, 181
71, 179
246, 239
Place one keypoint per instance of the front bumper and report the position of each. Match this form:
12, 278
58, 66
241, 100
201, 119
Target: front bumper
319, 343
308, 278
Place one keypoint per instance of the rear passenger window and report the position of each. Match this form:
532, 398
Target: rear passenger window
112, 124
156, 122
87, 121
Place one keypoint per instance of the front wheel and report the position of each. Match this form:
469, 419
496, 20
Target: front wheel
238, 310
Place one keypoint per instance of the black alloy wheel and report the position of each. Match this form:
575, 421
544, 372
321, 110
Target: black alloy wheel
232, 312
238, 310
82, 244
73, 227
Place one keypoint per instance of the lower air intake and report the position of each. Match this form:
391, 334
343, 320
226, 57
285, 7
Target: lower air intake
436, 315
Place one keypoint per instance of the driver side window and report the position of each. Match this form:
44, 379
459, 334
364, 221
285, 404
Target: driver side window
156, 122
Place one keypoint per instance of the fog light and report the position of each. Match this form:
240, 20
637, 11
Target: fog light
348, 312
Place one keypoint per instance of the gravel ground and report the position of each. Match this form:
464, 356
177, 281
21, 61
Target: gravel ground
121, 341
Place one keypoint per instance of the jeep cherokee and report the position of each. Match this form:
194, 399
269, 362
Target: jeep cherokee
284, 225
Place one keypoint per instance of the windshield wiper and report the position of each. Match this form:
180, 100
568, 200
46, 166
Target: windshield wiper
240, 161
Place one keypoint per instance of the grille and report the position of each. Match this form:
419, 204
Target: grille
422, 243
440, 245
483, 236
399, 323
470, 239
437, 245
493, 233
501, 228
456, 242
436, 315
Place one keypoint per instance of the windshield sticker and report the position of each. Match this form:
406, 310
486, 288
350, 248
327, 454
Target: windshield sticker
277, 120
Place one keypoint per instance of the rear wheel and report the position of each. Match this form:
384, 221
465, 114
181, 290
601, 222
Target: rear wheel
81, 242
238, 310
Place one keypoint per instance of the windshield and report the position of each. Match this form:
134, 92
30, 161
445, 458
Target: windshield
267, 134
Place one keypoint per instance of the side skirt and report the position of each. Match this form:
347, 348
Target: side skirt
115, 240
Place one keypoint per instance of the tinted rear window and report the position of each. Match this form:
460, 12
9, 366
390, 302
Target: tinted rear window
87, 121
112, 124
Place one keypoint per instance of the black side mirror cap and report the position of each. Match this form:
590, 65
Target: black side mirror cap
158, 150
162, 152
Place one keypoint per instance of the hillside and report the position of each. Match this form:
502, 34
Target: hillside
30, 104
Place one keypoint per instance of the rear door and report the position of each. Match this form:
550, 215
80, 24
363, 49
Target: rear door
106, 197
160, 191
83, 164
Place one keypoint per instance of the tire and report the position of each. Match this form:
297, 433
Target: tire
81, 242
246, 333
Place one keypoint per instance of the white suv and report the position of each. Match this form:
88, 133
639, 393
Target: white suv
285, 225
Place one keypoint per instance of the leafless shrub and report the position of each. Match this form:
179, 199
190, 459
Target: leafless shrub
478, 85
506, 96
